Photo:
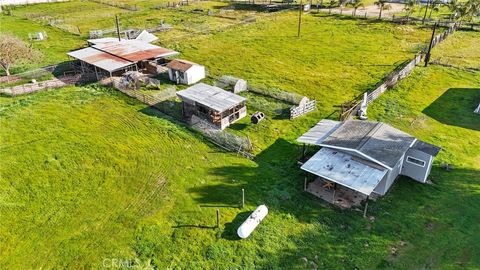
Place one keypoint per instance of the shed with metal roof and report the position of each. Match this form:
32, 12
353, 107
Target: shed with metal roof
365, 156
217, 106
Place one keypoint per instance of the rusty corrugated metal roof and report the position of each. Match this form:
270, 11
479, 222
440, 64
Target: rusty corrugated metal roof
180, 65
100, 59
115, 55
134, 50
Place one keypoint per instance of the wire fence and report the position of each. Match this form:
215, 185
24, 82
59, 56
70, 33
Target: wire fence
394, 77
49, 84
162, 102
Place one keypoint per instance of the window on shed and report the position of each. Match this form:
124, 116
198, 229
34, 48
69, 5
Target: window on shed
416, 161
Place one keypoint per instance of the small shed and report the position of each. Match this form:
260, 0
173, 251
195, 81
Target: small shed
217, 106
185, 72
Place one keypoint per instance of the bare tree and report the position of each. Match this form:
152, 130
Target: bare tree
14, 51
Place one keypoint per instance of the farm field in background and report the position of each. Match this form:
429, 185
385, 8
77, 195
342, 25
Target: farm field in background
333, 61
462, 51
89, 175
80, 17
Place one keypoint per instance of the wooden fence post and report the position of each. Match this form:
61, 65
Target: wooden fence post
218, 218
243, 198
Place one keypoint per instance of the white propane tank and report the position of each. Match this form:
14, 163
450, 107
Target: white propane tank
252, 221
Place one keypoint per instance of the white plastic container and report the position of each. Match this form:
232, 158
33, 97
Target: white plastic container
252, 221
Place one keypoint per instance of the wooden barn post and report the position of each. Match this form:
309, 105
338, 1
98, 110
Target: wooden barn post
365, 209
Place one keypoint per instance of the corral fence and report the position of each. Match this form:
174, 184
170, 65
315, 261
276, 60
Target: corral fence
150, 100
117, 5
28, 75
349, 109
49, 84
363, 14
175, 4
222, 138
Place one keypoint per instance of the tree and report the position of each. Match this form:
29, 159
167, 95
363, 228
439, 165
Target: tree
331, 5
426, 9
382, 5
356, 5
14, 51
434, 7
465, 11
470, 10
410, 7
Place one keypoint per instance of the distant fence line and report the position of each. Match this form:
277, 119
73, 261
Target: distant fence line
394, 77
26, 2
395, 19
117, 5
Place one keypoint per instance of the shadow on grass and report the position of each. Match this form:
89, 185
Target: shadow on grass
230, 231
455, 107
238, 126
194, 226
411, 218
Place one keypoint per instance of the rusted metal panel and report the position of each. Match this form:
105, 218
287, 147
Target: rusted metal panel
100, 59
134, 50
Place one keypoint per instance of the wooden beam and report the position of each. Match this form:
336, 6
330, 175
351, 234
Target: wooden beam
365, 209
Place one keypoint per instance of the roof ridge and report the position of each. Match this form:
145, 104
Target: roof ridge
369, 135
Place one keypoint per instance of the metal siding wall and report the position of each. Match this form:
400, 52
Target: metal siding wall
413, 171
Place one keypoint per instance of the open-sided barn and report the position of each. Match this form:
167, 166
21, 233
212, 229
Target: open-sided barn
108, 57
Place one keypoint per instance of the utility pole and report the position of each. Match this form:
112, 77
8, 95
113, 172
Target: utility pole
118, 27
300, 17
427, 57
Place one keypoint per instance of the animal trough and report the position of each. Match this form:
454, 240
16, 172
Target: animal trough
252, 221
257, 117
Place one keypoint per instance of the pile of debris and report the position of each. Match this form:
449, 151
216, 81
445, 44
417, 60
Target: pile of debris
134, 80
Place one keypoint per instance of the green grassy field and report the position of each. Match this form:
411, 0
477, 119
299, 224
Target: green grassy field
83, 170
89, 176
333, 61
80, 17
53, 49
462, 51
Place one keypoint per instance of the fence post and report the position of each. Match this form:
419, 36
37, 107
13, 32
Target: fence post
243, 198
